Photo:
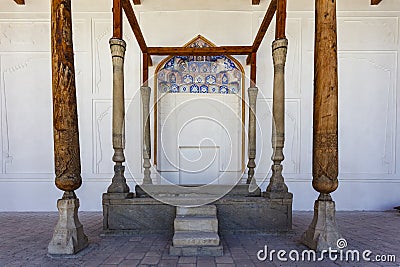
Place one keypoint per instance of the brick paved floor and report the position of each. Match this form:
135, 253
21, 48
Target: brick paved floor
24, 238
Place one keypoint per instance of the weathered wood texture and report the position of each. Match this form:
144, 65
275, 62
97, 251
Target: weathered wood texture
204, 51
253, 70
20, 2
375, 2
145, 69
117, 19
65, 117
280, 29
130, 14
263, 28
325, 130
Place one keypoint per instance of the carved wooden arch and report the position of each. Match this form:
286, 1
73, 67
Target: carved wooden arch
156, 94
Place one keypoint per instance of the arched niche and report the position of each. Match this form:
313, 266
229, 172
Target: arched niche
192, 78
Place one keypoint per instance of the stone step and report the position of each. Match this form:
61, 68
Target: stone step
196, 224
184, 239
202, 211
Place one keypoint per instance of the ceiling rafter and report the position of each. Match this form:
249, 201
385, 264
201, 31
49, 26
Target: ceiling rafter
203, 51
264, 27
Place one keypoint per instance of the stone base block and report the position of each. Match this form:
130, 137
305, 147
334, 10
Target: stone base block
212, 251
118, 195
238, 214
68, 237
323, 232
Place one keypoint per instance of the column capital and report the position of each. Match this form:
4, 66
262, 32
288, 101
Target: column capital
118, 47
279, 51
252, 92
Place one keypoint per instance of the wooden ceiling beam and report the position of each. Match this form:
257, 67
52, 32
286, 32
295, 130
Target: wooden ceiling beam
255, 2
264, 27
117, 19
204, 51
137, 2
280, 27
130, 14
20, 2
375, 2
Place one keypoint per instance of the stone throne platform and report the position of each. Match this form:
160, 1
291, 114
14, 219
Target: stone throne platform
152, 209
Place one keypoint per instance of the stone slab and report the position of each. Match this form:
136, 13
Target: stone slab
190, 190
206, 210
131, 216
147, 215
183, 239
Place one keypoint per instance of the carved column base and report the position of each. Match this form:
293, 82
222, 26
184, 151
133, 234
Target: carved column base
147, 172
118, 184
277, 187
323, 232
68, 237
250, 174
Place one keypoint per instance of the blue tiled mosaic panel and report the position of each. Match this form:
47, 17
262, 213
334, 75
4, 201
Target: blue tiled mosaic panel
200, 74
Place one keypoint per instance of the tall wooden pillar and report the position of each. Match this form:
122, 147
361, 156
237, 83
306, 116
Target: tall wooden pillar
323, 232
68, 237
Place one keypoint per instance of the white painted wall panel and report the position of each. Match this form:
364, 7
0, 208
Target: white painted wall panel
369, 99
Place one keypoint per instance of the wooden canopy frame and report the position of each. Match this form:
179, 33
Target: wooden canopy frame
278, 6
275, 6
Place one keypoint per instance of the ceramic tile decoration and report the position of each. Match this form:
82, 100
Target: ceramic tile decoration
199, 74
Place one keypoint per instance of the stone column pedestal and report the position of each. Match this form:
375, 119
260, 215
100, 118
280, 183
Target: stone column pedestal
323, 232
68, 237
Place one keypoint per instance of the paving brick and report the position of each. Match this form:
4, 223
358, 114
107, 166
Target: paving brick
129, 263
167, 263
150, 260
113, 260
187, 260
224, 259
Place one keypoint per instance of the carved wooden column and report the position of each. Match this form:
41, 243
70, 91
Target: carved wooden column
145, 93
118, 185
68, 237
323, 232
277, 187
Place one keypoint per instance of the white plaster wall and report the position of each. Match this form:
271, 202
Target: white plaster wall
369, 98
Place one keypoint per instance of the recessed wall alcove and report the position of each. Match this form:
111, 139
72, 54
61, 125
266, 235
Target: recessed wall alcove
199, 118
